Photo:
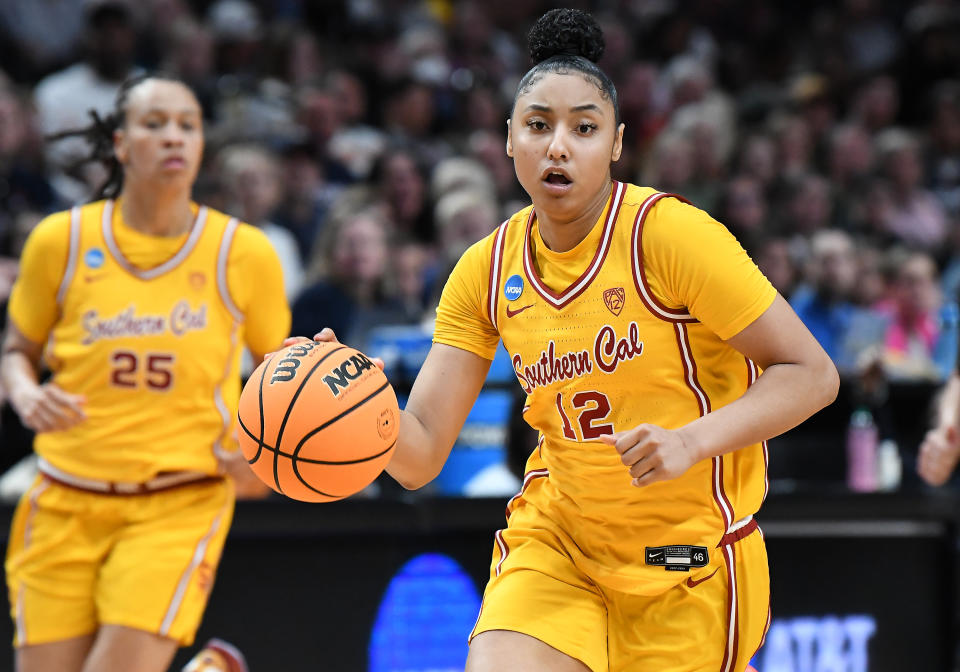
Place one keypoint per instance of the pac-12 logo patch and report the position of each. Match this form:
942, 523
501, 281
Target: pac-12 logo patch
513, 288
614, 298
93, 258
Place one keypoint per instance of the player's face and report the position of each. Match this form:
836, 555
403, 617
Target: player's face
162, 139
562, 137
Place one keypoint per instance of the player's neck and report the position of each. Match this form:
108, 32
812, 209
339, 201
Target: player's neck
156, 213
562, 233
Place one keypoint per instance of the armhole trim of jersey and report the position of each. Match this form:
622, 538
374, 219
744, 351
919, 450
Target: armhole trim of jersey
73, 251
223, 255
652, 303
496, 264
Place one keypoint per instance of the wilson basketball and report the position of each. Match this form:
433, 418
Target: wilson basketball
318, 421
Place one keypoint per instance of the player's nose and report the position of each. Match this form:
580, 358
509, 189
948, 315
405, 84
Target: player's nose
558, 148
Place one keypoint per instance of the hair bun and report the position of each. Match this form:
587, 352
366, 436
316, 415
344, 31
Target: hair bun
569, 32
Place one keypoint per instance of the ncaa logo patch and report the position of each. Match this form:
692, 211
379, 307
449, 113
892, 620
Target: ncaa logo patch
513, 288
93, 258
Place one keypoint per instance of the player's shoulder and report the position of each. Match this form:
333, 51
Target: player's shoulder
52, 232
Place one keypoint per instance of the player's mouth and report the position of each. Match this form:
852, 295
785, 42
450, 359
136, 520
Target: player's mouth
174, 163
556, 181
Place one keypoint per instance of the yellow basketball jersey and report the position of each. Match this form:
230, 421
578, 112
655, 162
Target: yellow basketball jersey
604, 355
156, 352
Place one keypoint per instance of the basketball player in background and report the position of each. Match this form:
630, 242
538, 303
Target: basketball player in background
140, 304
638, 328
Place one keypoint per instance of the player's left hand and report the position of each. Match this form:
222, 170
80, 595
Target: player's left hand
652, 453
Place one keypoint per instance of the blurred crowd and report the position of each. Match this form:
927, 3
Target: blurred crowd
366, 138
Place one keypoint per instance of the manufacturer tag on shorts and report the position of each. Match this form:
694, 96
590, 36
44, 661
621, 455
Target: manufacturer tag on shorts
677, 558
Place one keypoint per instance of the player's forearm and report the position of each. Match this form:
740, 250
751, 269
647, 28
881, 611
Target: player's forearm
419, 455
948, 408
782, 397
18, 374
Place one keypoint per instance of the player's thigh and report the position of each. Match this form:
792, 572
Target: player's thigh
160, 573
58, 540
121, 648
65, 655
712, 620
536, 590
496, 650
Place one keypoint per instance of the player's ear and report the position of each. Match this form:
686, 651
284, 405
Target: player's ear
617, 144
509, 141
120, 145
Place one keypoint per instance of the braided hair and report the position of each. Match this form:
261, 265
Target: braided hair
564, 41
99, 135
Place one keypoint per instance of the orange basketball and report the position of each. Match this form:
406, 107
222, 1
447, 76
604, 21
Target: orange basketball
318, 421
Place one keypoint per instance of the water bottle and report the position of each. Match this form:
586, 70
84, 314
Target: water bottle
889, 465
862, 438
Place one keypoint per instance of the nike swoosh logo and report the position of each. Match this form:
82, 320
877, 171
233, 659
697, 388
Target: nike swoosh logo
511, 313
691, 583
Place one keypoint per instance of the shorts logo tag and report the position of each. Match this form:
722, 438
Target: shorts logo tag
677, 558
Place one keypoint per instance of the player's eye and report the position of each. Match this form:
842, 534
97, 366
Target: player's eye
586, 128
537, 125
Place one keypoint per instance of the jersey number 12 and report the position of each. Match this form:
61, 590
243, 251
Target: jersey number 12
593, 406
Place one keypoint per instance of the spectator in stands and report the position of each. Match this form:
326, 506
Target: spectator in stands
775, 259
850, 163
876, 104
916, 217
487, 148
349, 273
402, 189
808, 206
823, 302
943, 160
28, 46
460, 173
354, 144
189, 56
23, 176
758, 159
410, 119
463, 217
670, 164
910, 342
307, 196
251, 179
65, 98
744, 211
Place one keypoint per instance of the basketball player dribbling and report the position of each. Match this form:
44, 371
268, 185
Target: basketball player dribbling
140, 304
656, 359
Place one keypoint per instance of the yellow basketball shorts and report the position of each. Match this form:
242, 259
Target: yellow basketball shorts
77, 560
536, 589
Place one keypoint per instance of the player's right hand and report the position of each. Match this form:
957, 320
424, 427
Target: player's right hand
325, 335
939, 454
47, 408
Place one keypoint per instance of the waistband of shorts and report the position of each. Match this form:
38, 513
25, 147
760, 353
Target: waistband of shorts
740, 529
163, 481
